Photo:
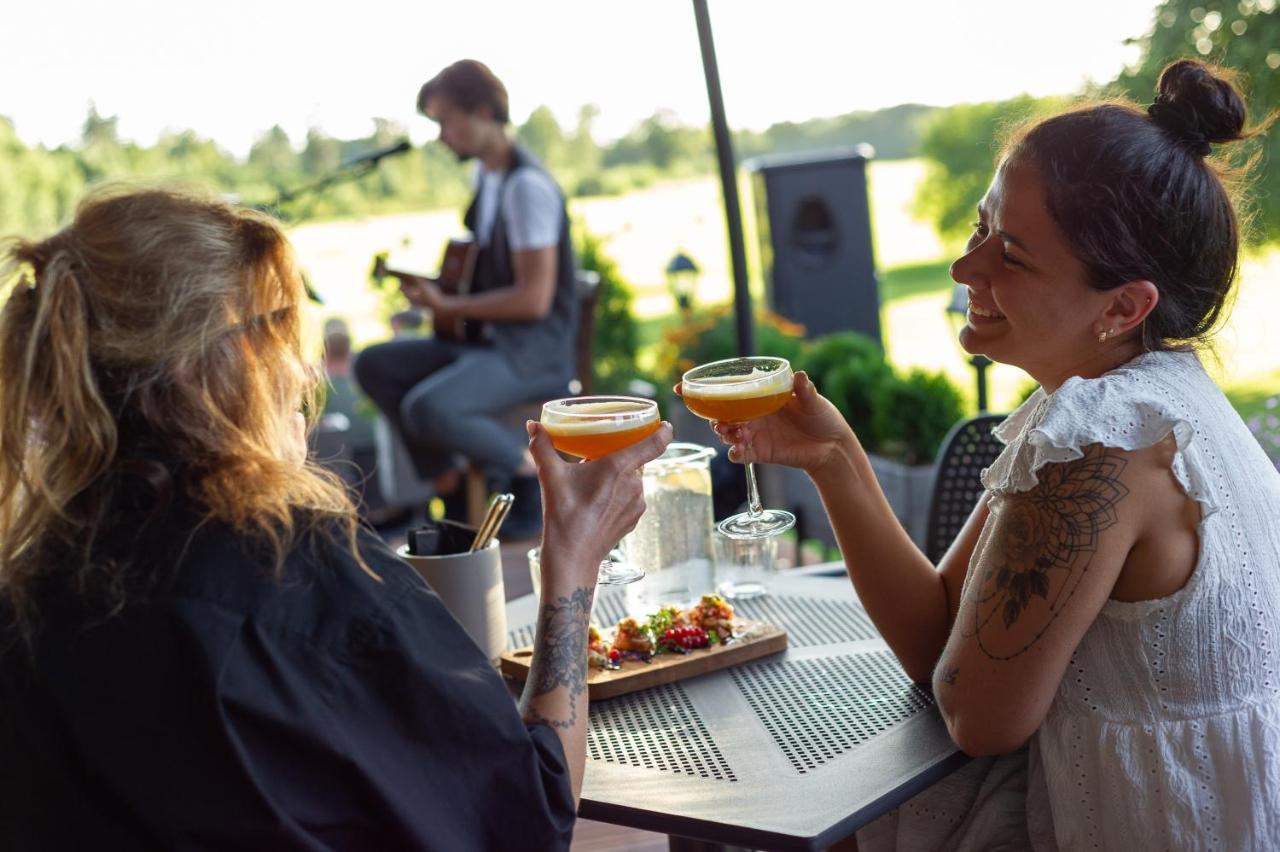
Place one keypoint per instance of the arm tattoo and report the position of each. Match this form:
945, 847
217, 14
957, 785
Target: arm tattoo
949, 675
560, 654
1048, 536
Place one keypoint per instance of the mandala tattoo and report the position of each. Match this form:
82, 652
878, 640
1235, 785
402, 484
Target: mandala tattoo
1049, 536
562, 640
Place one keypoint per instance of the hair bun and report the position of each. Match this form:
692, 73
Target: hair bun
1198, 106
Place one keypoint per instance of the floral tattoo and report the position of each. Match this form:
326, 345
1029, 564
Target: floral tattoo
1050, 535
561, 660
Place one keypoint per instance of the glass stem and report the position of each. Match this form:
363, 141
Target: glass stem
754, 508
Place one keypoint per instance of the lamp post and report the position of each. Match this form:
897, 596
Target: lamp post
682, 280
956, 312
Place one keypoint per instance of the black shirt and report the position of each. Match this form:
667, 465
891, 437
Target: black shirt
226, 709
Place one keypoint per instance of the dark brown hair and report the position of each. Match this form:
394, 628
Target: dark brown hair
1138, 197
469, 85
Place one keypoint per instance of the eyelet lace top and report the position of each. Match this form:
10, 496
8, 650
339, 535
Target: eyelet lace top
1165, 730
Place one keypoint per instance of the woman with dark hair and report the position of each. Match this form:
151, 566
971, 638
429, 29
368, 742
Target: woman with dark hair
1104, 628
199, 646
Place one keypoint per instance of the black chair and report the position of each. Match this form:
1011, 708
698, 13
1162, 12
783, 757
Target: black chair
969, 447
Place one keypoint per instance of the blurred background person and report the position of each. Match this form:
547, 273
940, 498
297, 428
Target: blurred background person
348, 421
445, 396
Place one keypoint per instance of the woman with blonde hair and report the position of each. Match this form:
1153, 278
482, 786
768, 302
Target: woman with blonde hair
200, 646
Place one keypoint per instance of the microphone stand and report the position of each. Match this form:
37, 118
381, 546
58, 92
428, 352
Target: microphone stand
341, 174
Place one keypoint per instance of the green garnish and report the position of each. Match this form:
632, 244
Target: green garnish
661, 621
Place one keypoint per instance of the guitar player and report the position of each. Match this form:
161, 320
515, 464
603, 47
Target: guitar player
445, 393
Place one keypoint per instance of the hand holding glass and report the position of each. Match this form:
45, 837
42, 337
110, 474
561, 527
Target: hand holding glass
735, 391
591, 427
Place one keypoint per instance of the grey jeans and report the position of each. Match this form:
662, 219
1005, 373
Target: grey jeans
445, 399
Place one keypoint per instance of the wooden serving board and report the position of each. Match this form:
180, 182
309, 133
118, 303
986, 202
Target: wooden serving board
757, 640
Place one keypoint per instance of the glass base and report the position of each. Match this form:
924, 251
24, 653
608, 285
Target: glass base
615, 573
742, 590
767, 524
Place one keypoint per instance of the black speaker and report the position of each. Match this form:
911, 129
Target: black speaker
814, 226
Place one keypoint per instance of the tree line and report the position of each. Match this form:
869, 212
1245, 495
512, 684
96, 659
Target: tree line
961, 143
39, 186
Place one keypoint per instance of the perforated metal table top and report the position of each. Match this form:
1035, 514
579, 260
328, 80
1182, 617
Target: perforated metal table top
793, 751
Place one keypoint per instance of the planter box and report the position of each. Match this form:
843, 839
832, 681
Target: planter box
907, 488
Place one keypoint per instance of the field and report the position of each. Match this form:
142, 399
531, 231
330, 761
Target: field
645, 228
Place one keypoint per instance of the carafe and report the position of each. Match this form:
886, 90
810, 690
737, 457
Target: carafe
672, 541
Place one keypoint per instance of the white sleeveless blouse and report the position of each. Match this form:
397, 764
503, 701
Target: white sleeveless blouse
1165, 731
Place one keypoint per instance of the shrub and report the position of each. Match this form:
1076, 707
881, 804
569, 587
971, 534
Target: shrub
902, 417
614, 344
711, 334
847, 369
913, 413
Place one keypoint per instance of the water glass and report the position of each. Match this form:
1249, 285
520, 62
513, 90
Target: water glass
745, 567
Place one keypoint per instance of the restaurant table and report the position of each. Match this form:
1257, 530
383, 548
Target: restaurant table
792, 751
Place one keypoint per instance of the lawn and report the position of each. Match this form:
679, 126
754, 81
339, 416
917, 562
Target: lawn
643, 229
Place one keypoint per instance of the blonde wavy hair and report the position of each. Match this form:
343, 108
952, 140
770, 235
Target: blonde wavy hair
159, 324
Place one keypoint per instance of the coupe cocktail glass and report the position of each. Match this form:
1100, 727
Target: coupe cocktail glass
735, 391
591, 427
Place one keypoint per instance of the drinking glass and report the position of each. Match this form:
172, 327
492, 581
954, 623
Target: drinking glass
591, 427
745, 567
734, 391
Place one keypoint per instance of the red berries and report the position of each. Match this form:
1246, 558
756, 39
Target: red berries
685, 638
614, 655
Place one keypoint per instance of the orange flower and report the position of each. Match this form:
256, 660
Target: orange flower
782, 324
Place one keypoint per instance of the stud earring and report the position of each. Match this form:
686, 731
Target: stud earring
1102, 336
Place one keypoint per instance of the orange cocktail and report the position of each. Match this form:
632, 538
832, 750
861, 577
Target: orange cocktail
591, 427
735, 391
735, 409
739, 396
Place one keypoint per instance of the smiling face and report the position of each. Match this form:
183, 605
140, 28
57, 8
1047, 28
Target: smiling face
1029, 302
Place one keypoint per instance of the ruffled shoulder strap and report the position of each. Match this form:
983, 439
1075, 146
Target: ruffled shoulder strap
1130, 408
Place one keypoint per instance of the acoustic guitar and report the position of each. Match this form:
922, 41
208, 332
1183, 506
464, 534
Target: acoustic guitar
454, 278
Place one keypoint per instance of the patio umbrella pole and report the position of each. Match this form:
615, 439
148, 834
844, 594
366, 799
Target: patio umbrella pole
728, 181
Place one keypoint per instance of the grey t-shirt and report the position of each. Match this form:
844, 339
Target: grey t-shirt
531, 208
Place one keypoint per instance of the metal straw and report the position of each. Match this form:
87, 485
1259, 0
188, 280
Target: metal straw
494, 515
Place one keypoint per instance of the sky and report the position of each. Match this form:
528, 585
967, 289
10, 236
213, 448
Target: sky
232, 69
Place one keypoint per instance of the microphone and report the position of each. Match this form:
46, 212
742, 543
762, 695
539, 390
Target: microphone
373, 157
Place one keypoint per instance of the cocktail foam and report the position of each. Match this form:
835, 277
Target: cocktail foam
598, 418
745, 386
